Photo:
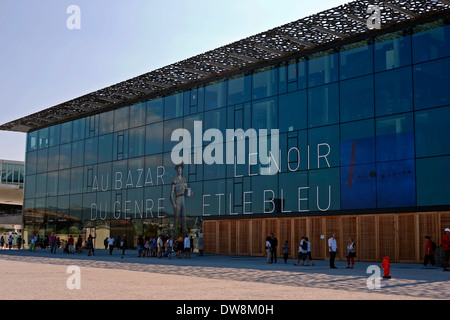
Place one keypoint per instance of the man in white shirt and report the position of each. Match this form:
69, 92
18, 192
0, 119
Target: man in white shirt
187, 247
160, 246
111, 244
332, 248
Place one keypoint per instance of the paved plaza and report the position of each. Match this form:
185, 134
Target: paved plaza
42, 275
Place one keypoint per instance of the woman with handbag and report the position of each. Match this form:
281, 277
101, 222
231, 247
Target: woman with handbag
351, 253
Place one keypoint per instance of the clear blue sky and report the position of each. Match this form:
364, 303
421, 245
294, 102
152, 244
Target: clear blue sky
43, 63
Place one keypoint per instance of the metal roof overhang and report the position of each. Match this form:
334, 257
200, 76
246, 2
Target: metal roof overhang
327, 29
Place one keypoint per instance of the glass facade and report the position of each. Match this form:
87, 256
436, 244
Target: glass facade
360, 127
12, 173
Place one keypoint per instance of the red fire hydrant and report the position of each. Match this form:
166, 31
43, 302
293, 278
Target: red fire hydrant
386, 265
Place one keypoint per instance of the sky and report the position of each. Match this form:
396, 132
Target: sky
44, 63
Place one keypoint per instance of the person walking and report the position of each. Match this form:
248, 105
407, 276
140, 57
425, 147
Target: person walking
351, 253
269, 249
332, 248
302, 251
160, 245
140, 246
274, 245
53, 243
2, 242
89, 245
187, 247
124, 244
308, 253
285, 251
70, 242
111, 244
10, 240
446, 248
169, 245
429, 253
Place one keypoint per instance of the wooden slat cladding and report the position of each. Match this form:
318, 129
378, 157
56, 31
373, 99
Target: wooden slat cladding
400, 236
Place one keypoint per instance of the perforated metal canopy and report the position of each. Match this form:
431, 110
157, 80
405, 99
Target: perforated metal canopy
344, 23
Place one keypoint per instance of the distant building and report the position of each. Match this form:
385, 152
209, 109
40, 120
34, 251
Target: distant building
11, 196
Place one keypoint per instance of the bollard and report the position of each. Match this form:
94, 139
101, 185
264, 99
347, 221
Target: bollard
386, 265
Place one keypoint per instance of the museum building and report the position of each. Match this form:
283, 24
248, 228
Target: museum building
329, 124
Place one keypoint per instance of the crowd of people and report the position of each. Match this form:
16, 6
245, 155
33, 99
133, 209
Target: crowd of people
434, 255
164, 246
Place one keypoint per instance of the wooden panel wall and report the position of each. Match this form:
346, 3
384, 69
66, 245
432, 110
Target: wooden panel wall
399, 236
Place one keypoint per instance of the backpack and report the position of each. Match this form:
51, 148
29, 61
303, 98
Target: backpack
305, 245
433, 245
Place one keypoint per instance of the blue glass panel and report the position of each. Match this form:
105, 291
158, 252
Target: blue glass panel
78, 129
52, 183
323, 68
76, 206
154, 138
90, 151
392, 50
263, 196
433, 132
433, 176
155, 110
42, 160
121, 119
120, 145
66, 132
76, 180
63, 182
30, 187
293, 111
431, 41
264, 114
53, 158
358, 187
43, 138
105, 147
393, 91
41, 182
65, 156
396, 184
173, 106
31, 161
216, 95
239, 89
294, 151
431, 83
323, 147
214, 197
78, 153
106, 122
136, 142
32, 140
324, 189
169, 128
356, 59
265, 83
356, 99
395, 137
137, 115
289, 184
323, 105
54, 135
357, 142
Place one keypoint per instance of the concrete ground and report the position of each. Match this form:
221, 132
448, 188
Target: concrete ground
41, 275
